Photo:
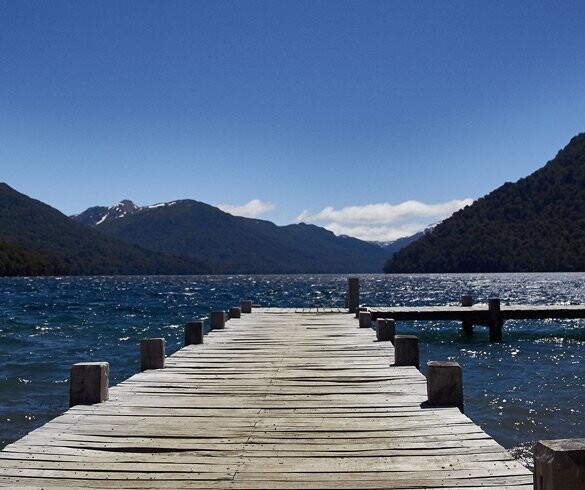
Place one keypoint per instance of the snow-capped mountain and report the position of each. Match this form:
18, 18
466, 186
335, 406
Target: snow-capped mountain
100, 214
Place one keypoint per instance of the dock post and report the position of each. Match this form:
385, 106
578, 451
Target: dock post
406, 350
194, 333
235, 312
217, 320
353, 294
385, 329
365, 319
89, 383
495, 320
246, 306
467, 300
360, 309
559, 465
445, 384
152, 354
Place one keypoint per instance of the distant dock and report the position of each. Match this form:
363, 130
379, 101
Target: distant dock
491, 315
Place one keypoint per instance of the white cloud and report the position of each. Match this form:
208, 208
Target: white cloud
383, 222
376, 233
251, 209
385, 213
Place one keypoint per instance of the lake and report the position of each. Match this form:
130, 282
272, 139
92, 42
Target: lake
529, 387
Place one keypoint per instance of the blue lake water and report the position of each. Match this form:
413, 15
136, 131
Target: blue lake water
529, 387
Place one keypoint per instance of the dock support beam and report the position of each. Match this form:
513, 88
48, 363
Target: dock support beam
406, 350
353, 294
217, 320
467, 300
559, 465
89, 383
194, 333
246, 306
152, 354
385, 329
495, 321
365, 318
445, 384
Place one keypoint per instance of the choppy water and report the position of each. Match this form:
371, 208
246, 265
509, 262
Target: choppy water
529, 387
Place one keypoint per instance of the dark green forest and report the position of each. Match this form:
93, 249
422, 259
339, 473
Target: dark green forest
534, 225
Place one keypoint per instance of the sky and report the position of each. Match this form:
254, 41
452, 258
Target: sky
373, 119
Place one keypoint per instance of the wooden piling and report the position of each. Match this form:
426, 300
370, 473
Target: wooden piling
353, 294
365, 319
217, 320
89, 383
385, 329
406, 350
152, 354
360, 309
445, 384
559, 465
235, 312
495, 321
246, 306
467, 300
194, 333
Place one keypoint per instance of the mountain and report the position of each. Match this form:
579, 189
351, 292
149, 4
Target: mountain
535, 224
232, 244
99, 214
36, 239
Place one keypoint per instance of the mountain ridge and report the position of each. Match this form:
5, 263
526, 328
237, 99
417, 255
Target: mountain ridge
234, 244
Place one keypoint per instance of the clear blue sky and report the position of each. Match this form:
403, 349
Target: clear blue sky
316, 109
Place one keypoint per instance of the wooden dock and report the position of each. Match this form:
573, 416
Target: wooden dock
279, 399
478, 314
491, 315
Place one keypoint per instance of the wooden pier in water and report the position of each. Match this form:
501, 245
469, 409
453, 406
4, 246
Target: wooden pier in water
478, 314
491, 315
278, 399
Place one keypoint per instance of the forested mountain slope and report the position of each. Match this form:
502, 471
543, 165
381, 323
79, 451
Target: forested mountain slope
535, 224
36, 239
